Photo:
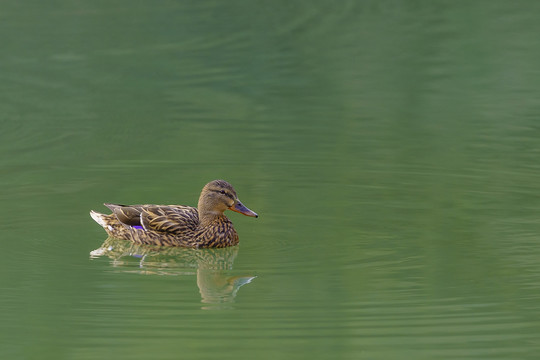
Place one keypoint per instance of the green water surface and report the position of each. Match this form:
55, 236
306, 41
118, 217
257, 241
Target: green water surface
391, 149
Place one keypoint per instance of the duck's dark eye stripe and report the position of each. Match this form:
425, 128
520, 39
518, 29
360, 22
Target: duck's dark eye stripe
223, 192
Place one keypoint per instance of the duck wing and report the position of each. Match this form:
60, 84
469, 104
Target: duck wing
174, 219
127, 214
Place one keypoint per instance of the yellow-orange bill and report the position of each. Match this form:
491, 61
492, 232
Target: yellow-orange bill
240, 208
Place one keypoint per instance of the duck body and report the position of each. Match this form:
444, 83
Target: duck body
176, 225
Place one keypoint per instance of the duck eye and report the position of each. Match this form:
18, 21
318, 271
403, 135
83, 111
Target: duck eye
222, 191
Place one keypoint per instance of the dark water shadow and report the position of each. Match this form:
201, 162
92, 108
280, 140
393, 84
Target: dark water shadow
213, 267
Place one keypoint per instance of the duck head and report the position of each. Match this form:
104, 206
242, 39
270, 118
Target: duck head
218, 196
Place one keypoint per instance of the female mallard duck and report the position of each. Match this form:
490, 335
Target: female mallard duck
176, 225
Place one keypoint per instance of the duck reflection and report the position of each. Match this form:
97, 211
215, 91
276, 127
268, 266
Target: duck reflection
211, 266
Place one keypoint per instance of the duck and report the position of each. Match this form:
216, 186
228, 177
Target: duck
205, 226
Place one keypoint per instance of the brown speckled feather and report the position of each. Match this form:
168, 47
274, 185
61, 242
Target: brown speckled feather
169, 219
177, 225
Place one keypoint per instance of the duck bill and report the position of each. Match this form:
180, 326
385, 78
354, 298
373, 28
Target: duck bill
240, 208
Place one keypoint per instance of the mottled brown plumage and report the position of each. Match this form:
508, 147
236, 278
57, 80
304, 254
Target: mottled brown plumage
176, 225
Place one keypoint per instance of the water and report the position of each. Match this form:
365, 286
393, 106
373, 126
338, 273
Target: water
390, 149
